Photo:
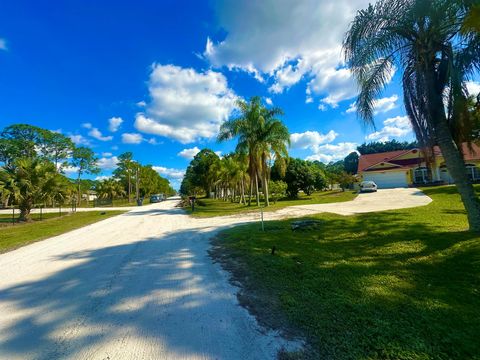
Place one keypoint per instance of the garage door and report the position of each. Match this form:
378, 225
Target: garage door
387, 180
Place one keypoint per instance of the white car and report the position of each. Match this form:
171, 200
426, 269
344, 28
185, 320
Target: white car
368, 186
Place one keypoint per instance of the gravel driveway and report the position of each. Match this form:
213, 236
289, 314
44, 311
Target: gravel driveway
141, 286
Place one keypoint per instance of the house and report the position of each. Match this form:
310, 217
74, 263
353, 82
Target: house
405, 168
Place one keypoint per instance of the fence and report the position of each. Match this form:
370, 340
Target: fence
10, 214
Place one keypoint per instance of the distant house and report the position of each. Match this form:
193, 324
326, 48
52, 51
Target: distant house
405, 168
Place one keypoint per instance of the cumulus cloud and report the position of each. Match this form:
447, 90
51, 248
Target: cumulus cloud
103, 177
311, 139
381, 105
189, 153
107, 163
169, 173
262, 45
268, 101
395, 127
87, 125
332, 152
3, 44
473, 87
132, 138
185, 105
97, 134
107, 154
69, 170
114, 123
79, 140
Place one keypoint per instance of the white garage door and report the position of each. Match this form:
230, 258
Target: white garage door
387, 180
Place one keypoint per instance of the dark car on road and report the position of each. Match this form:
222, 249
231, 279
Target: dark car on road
156, 198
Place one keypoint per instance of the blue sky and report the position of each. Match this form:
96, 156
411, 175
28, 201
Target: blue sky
158, 78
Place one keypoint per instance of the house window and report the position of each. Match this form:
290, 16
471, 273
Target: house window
473, 172
422, 175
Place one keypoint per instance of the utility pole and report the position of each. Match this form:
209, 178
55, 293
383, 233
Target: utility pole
137, 181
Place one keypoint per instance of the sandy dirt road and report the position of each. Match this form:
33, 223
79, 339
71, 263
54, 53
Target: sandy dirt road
141, 286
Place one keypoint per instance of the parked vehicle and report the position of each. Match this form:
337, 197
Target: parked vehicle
368, 186
156, 198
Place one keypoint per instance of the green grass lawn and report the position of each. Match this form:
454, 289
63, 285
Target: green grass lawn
401, 284
213, 207
14, 236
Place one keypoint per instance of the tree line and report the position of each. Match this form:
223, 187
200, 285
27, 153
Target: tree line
34, 163
260, 167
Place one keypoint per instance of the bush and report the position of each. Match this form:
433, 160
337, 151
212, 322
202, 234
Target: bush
278, 189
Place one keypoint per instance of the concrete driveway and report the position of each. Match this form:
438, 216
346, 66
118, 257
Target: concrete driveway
142, 286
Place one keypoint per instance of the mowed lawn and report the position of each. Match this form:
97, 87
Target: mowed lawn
214, 207
401, 284
14, 236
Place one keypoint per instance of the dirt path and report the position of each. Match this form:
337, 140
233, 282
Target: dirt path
139, 286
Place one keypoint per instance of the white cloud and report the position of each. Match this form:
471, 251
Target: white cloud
152, 141
114, 123
3, 44
332, 152
97, 134
132, 138
189, 153
107, 154
103, 177
261, 44
69, 170
169, 173
268, 101
114, 147
311, 139
381, 105
79, 140
185, 105
395, 127
87, 125
473, 87
107, 163
141, 104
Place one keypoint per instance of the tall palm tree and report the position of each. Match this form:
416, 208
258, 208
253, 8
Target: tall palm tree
424, 39
273, 139
245, 127
32, 180
259, 133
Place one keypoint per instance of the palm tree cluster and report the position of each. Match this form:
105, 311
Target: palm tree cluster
429, 40
262, 137
30, 181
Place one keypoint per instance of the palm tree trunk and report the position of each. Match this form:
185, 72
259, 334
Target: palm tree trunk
456, 168
265, 188
452, 155
265, 180
25, 208
251, 191
243, 190
256, 189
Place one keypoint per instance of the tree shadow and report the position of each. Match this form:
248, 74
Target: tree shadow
162, 291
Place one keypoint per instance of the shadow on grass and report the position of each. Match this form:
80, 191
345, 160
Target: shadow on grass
379, 285
157, 290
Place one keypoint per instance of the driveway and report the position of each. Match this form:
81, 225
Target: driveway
141, 286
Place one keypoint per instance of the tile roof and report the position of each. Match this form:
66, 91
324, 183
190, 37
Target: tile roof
369, 160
